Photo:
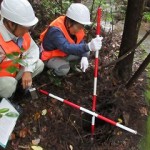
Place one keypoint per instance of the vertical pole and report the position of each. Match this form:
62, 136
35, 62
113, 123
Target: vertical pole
99, 12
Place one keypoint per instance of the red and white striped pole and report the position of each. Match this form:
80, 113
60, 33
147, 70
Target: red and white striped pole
99, 12
90, 112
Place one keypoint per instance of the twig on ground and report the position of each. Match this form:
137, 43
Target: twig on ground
23, 147
75, 129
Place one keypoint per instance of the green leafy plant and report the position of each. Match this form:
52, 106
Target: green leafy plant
4, 110
14, 56
11, 114
146, 16
12, 69
48, 10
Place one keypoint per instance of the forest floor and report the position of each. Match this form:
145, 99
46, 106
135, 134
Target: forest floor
55, 126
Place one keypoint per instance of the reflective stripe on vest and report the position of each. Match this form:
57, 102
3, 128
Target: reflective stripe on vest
11, 47
59, 23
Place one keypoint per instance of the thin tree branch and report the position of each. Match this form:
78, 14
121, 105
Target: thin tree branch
129, 52
138, 72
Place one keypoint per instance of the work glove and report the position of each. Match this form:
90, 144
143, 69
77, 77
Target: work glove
84, 63
95, 44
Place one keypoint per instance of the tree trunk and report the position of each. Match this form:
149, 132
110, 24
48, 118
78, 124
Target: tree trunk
123, 69
148, 3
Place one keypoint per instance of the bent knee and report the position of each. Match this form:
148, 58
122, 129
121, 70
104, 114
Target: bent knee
8, 86
63, 70
40, 66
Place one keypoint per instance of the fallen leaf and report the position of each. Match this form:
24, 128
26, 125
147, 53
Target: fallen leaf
44, 129
36, 141
143, 111
12, 136
119, 133
49, 112
44, 112
37, 116
34, 129
71, 147
113, 46
36, 148
140, 79
23, 133
120, 120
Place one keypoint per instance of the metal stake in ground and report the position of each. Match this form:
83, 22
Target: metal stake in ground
99, 11
90, 112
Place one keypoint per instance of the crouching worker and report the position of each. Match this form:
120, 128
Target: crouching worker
63, 41
18, 51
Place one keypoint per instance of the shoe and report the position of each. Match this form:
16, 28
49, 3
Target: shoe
74, 67
77, 69
51, 72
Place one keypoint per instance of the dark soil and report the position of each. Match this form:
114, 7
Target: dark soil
65, 128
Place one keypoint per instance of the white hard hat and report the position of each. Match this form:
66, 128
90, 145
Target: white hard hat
19, 11
79, 13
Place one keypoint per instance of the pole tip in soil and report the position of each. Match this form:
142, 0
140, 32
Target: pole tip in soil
140, 134
92, 140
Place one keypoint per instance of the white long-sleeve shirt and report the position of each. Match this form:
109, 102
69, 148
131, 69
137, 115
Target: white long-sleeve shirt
30, 57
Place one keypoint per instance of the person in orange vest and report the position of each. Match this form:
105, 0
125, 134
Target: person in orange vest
19, 55
63, 41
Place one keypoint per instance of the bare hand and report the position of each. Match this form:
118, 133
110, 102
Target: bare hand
26, 80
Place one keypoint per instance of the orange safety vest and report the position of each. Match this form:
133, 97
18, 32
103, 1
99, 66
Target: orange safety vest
9, 48
59, 23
